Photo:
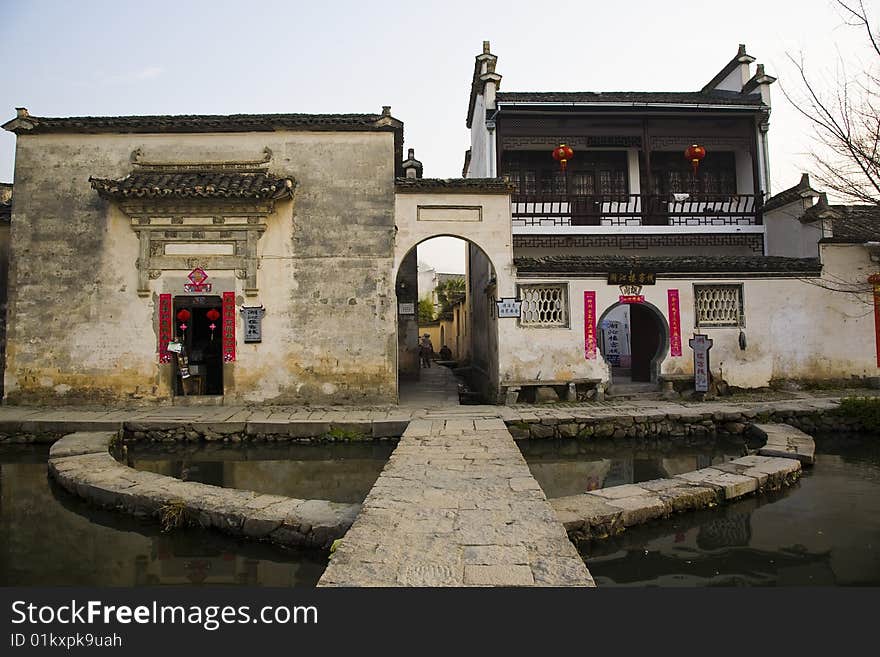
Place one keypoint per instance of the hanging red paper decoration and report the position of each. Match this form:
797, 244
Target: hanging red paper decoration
183, 315
212, 316
563, 154
695, 153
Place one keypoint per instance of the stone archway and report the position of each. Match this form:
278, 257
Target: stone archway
643, 338
468, 328
477, 212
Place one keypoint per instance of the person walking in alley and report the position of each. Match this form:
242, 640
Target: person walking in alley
426, 351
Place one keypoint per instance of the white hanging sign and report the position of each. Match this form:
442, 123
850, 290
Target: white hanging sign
509, 307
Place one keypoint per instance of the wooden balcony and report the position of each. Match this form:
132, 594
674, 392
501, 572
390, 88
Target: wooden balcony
674, 210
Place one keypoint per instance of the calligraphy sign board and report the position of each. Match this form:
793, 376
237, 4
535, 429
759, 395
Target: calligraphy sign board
509, 307
701, 345
631, 277
631, 298
253, 323
406, 308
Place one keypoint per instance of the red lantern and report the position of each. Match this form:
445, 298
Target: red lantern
183, 315
695, 153
213, 315
563, 154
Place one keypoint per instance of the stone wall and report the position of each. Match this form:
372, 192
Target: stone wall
79, 332
696, 425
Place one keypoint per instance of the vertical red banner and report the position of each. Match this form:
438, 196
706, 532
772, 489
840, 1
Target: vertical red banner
877, 319
589, 325
165, 327
674, 323
228, 327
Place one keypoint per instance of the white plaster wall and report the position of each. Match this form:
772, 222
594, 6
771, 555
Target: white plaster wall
479, 166
77, 324
794, 329
787, 236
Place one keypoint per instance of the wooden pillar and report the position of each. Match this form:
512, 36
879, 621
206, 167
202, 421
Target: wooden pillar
649, 208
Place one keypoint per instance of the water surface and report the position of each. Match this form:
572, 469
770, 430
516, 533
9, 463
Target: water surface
569, 467
51, 538
824, 531
339, 472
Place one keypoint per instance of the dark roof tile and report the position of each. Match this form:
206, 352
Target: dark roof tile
453, 185
628, 97
852, 224
213, 184
798, 192
667, 264
27, 124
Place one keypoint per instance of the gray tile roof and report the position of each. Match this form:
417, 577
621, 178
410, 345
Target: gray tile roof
797, 193
852, 224
28, 124
627, 97
453, 185
213, 184
667, 264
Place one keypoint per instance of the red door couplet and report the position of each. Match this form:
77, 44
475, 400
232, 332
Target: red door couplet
874, 280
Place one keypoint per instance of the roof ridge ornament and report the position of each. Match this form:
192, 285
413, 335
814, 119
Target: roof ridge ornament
240, 166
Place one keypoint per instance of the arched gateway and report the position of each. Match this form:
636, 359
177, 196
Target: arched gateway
634, 340
474, 210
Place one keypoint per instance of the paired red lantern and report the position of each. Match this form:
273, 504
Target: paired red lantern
213, 315
563, 154
695, 153
183, 315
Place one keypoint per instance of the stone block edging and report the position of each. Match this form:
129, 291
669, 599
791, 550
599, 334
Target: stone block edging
693, 422
81, 464
602, 513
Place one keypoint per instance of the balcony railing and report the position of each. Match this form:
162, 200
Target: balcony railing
636, 210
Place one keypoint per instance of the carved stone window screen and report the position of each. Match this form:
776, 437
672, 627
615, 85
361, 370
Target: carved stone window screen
718, 306
544, 306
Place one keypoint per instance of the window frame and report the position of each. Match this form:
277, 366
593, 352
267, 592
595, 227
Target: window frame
741, 310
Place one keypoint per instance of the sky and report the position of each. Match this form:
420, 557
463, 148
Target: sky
220, 57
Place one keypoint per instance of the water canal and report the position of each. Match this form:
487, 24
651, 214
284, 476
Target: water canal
339, 472
823, 531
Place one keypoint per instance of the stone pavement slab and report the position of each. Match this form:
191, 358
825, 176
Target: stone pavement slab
456, 505
787, 442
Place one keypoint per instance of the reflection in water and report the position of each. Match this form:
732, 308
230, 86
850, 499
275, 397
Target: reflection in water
50, 538
339, 472
823, 531
570, 467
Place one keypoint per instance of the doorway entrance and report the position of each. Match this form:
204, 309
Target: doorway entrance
634, 339
446, 290
198, 327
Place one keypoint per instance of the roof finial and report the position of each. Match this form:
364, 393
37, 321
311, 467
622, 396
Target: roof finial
21, 112
486, 50
386, 110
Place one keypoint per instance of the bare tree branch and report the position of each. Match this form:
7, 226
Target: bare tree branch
846, 119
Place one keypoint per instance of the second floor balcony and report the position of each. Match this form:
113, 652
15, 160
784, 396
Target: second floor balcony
676, 212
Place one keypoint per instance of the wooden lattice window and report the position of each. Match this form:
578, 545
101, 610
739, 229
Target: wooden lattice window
718, 306
544, 305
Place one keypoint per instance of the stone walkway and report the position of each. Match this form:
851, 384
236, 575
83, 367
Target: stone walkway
77, 418
456, 505
437, 386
